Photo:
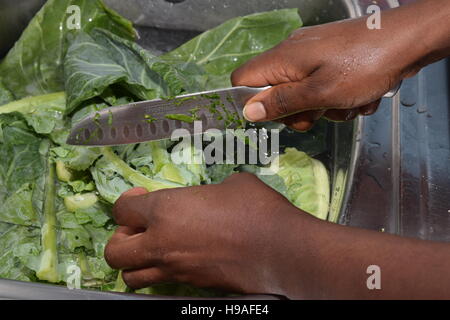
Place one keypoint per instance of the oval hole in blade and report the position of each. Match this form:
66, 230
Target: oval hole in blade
113, 133
126, 131
165, 126
152, 128
99, 134
87, 134
139, 131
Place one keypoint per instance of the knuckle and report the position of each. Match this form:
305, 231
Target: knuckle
323, 90
279, 103
157, 199
130, 279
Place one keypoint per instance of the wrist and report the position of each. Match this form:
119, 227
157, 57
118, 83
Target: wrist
434, 31
428, 29
298, 262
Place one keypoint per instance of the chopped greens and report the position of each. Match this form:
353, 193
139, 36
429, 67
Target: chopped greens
149, 118
181, 117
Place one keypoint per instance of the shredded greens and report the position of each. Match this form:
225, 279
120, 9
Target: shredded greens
56, 199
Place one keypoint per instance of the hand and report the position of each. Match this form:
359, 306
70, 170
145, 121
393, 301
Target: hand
336, 70
228, 236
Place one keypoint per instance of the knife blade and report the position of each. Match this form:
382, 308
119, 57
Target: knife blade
157, 119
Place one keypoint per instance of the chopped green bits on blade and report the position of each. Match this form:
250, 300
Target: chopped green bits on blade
180, 117
149, 118
110, 118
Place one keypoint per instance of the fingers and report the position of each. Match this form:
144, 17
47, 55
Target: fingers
370, 108
281, 101
127, 251
350, 114
341, 115
125, 232
303, 121
137, 279
132, 208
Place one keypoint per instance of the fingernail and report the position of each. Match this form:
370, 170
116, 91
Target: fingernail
135, 192
255, 112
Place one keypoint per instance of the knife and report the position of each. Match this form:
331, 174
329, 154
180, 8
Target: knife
157, 119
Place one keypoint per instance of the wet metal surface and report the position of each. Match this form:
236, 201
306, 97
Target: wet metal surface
200, 15
14, 17
402, 176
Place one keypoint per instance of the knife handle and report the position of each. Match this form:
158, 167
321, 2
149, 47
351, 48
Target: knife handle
389, 94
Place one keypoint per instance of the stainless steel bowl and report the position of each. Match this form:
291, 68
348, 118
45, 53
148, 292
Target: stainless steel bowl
14, 17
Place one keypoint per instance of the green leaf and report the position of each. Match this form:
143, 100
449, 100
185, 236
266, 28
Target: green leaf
34, 66
74, 157
99, 60
99, 237
19, 148
18, 208
74, 238
20, 248
95, 62
89, 70
221, 50
113, 176
80, 186
219, 172
272, 180
86, 109
43, 113
109, 184
306, 180
67, 220
97, 215
5, 95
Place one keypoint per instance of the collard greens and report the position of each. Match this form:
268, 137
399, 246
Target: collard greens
55, 199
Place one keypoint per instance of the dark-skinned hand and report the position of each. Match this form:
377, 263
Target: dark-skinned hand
337, 70
207, 236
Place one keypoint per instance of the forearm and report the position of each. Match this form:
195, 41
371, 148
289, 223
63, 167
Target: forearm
328, 261
420, 31
434, 21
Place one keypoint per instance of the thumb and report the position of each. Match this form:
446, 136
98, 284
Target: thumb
281, 101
